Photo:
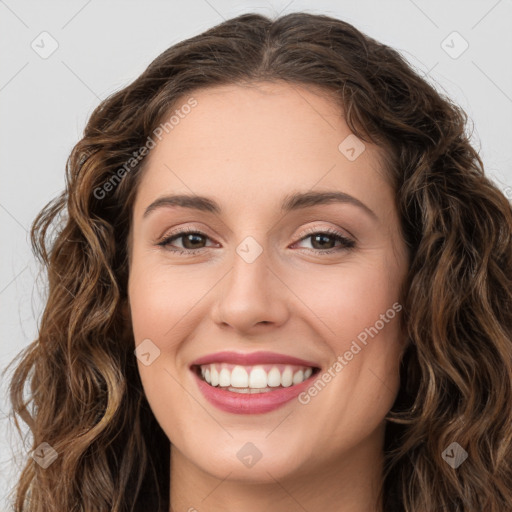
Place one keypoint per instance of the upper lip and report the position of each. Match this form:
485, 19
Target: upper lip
252, 358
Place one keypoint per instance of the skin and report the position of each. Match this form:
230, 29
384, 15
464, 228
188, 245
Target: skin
247, 147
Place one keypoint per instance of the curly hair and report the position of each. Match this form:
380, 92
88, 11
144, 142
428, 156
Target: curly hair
86, 395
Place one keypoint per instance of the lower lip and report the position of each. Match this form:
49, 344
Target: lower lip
245, 403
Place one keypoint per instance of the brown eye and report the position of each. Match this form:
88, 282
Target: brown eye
324, 242
191, 241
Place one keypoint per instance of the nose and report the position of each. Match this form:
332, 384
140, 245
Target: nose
251, 296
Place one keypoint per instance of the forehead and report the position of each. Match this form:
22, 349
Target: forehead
272, 137
241, 120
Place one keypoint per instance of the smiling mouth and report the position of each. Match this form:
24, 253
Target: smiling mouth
261, 378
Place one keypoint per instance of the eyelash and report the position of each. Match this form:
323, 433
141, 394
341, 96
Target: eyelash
347, 243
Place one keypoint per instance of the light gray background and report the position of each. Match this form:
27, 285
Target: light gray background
104, 45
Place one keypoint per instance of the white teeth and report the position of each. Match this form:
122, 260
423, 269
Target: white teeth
258, 378
274, 378
250, 390
287, 377
225, 377
298, 377
255, 379
239, 377
214, 376
239, 390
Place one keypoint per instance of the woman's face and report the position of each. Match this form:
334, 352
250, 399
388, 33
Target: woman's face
263, 283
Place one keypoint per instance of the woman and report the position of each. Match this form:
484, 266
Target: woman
283, 282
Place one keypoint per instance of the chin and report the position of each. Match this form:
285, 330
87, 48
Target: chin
257, 461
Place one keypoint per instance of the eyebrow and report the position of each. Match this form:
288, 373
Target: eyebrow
292, 202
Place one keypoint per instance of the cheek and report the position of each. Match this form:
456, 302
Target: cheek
346, 298
160, 297
359, 313
157, 305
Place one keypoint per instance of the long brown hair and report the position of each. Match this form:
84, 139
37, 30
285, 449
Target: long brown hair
86, 399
